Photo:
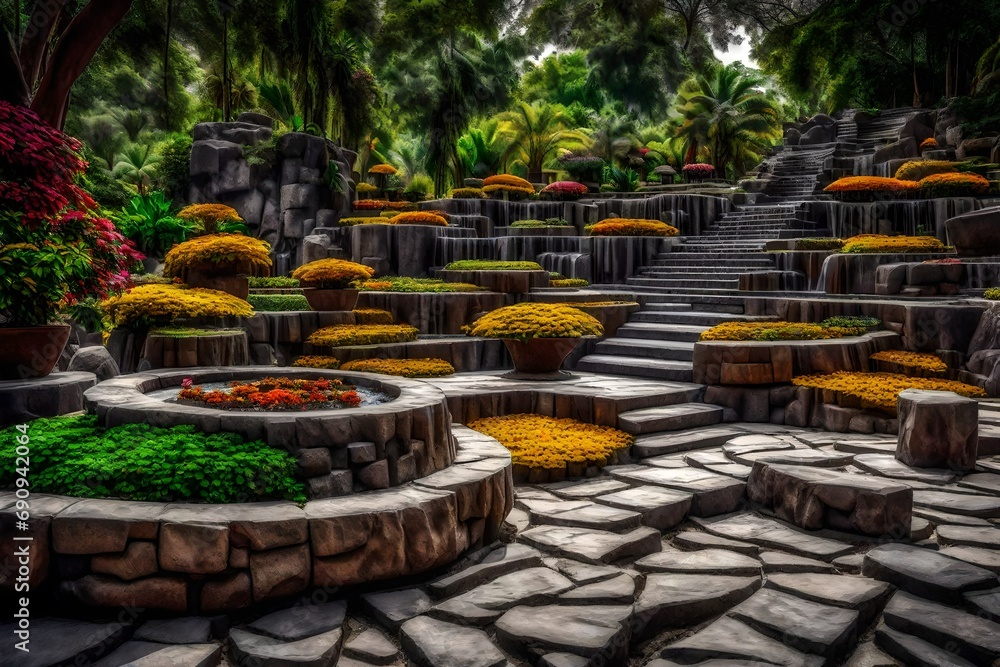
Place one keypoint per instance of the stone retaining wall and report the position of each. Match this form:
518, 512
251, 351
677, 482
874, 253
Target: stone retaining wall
191, 558
435, 314
53, 395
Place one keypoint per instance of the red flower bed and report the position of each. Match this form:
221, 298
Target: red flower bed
702, 170
564, 189
274, 394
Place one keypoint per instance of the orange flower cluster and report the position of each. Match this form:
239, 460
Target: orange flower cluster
419, 218
275, 394
631, 227
930, 143
209, 214
372, 205
954, 185
871, 184
508, 179
373, 316
383, 170
216, 252
468, 193
331, 273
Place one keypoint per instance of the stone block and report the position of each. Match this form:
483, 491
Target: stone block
280, 572
139, 560
937, 429
208, 158
375, 475
224, 594
169, 593
337, 483
976, 234
890, 278
194, 548
315, 247
924, 275
904, 148
96, 360
252, 118
300, 195
315, 462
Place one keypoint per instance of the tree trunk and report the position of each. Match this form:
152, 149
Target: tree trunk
166, 67
916, 81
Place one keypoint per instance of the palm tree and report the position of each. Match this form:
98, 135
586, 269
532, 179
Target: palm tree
136, 164
409, 153
613, 137
481, 149
728, 115
536, 132
104, 136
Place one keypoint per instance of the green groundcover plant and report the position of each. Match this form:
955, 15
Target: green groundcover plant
491, 265
75, 456
273, 303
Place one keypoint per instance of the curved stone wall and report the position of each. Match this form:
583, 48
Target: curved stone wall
194, 558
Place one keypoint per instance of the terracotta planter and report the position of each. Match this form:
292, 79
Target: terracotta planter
331, 299
540, 355
238, 286
31, 352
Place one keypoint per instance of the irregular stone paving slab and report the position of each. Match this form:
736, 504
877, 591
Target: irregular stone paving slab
588, 489
991, 464
914, 650
55, 640
705, 561
301, 621
804, 625
672, 461
683, 600
712, 494
757, 443
926, 573
797, 457
463, 612
864, 595
988, 559
125, 654
563, 660
371, 646
581, 514
593, 546
987, 601
582, 574
770, 533
660, 508
518, 520
618, 590
598, 632
503, 560
987, 538
849, 564
660, 662
693, 539
868, 655
945, 518
658, 445
887, 466
432, 643
984, 507
717, 463
534, 586
669, 418
190, 630
392, 608
854, 447
729, 638
973, 638
982, 481
775, 562
188, 655
316, 651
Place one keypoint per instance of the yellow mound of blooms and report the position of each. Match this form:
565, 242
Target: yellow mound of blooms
922, 360
362, 334
631, 227
545, 442
880, 391
331, 273
373, 316
525, 321
407, 368
776, 331
209, 215
205, 253
880, 243
318, 361
146, 305
917, 170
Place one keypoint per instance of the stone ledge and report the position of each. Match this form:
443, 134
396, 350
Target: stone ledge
436, 314
197, 558
505, 282
53, 395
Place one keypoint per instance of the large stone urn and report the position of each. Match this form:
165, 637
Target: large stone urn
31, 352
540, 356
322, 299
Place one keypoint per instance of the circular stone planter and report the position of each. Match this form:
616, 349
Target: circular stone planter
238, 286
505, 282
330, 300
407, 438
31, 352
186, 558
540, 356
226, 348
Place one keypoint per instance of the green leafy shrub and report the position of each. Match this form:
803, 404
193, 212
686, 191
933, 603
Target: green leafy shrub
75, 456
851, 322
534, 224
148, 222
819, 244
173, 170
274, 282
491, 265
993, 294
428, 285
570, 282
271, 303
977, 167
110, 193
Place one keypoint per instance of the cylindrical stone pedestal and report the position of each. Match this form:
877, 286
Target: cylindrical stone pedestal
937, 429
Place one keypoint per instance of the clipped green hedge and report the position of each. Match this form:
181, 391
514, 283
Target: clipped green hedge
271, 303
851, 322
277, 282
491, 265
74, 456
535, 224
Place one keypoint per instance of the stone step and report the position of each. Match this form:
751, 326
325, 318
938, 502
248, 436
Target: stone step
592, 546
973, 638
926, 573
579, 514
727, 641
697, 271
720, 285
865, 596
669, 418
646, 348
648, 446
775, 535
648, 330
693, 318
659, 369
914, 650
712, 494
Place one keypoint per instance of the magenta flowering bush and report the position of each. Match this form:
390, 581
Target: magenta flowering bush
564, 190
699, 170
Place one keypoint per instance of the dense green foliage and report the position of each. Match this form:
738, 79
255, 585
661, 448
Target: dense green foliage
76, 457
491, 265
271, 303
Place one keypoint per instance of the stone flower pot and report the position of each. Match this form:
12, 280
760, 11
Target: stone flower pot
31, 352
238, 286
539, 356
331, 299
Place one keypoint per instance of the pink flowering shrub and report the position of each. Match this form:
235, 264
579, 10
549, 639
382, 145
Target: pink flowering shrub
699, 170
564, 190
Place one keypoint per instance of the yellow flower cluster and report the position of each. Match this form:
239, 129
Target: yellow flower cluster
600, 304
512, 191
468, 193
373, 316
880, 391
921, 360
209, 214
146, 305
362, 334
631, 227
383, 170
331, 273
317, 361
880, 243
917, 170
545, 442
407, 368
767, 331
525, 321
569, 282
214, 251
354, 222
